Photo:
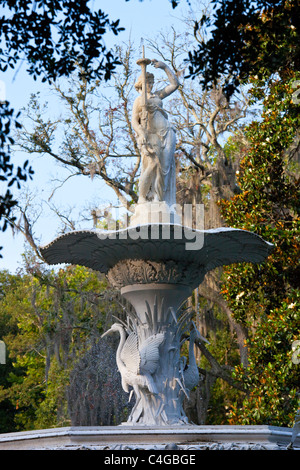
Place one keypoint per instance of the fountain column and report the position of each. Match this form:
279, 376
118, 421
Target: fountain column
157, 312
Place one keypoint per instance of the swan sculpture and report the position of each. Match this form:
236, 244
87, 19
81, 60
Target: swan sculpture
137, 362
191, 372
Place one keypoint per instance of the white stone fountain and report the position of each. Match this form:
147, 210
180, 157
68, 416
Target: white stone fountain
156, 263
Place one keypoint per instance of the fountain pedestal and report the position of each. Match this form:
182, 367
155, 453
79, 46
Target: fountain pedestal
156, 307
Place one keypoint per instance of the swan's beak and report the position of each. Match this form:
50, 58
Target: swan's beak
202, 338
108, 332
199, 336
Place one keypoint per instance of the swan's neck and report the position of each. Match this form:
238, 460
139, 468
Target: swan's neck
192, 359
120, 347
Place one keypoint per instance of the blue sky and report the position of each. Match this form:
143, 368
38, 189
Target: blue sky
140, 20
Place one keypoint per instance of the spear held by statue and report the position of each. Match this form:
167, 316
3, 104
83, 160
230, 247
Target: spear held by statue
143, 64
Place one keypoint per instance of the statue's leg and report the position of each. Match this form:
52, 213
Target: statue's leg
146, 178
168, 169
151, 180
136, 410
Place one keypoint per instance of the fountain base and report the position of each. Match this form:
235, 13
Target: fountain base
133, 438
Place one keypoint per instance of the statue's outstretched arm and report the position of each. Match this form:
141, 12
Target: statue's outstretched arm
174, 83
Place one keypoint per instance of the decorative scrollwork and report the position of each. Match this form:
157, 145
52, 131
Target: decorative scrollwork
133, 271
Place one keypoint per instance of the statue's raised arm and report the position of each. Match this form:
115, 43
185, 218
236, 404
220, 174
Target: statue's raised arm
174, 83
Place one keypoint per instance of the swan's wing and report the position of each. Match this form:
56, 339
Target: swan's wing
149, 353
130, 354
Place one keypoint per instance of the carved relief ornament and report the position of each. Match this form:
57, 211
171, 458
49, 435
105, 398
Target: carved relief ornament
131, 271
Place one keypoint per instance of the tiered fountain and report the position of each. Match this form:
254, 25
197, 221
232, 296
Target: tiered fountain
156, 263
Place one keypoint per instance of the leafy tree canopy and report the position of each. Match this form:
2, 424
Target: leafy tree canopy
247, 38
55, 38
266, 298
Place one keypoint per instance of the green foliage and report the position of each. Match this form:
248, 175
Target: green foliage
55, 37
247, 38
266, 298
272, 378
8, 171
224, 349
48, 321
53, 409
7, 410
